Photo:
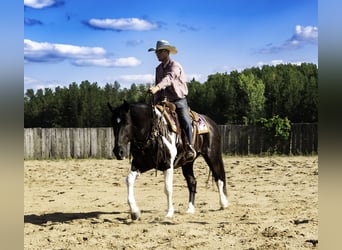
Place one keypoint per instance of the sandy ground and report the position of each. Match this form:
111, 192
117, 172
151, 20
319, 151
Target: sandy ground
81, 204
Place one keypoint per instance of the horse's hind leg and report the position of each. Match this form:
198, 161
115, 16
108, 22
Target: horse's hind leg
223, 197
188, 173
215, 164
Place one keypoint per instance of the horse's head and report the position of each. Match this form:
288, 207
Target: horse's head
122, 128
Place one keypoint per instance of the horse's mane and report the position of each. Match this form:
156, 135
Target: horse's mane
140, 111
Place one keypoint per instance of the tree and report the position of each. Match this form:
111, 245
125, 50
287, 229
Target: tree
252, 99
31, 109
240, 98
309, 101
71, 104
196, 99
90, 104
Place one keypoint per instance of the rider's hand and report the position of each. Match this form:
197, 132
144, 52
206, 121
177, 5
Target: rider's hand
154, 89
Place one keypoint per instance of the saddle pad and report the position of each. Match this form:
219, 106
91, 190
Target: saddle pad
201, 123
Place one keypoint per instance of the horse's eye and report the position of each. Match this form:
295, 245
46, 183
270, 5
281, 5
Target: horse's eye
118, 120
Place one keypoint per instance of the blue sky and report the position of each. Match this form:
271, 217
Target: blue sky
106, 41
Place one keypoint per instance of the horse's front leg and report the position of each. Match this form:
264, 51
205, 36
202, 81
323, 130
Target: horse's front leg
130, 180
168, 178
168, 174
188, 173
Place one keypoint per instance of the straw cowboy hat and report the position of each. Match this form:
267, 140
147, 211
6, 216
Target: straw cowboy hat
163, 44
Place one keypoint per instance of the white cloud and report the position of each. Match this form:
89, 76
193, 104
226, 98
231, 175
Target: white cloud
197, 77
301, 37
107, 62
240, 68
29, 80
35, 84
122, 24
230, 68
49, 52
78, 55
144, 78
307, 34
276, 62
150, 78
39, 4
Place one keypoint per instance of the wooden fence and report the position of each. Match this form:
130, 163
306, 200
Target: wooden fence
62, 143
246, 140
56, 143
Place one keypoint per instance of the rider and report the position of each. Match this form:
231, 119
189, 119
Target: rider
171, 83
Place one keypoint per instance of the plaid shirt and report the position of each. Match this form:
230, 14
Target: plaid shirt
171, 80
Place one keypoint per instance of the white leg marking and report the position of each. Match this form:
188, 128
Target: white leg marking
168, 176
130, 179
223, 198
171, 146
191, 208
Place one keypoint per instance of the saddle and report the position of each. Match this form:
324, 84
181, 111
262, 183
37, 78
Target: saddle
168, 109
169, 112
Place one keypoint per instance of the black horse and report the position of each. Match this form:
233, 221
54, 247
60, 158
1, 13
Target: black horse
142, 130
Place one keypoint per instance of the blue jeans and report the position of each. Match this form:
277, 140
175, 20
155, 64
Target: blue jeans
184, 117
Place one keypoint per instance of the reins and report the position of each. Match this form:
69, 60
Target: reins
153, 140
155, 134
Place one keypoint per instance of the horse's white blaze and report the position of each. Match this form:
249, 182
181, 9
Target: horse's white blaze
130, 180
223, 198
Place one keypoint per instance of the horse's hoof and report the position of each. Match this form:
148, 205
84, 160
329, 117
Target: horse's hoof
135, 215
224, 205
169, 215
191, 209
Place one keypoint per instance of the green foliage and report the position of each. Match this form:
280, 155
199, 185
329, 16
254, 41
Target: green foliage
292, 91
277, 130
252, 90
83, 105
236, 98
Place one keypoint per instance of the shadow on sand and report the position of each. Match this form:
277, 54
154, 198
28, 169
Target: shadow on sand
59, 217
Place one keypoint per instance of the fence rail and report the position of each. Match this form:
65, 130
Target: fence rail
61, 143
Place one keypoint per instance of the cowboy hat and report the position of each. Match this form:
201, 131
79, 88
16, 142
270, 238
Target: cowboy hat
163, 44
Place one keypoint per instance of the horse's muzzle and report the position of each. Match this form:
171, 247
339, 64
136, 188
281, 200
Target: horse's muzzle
119, 153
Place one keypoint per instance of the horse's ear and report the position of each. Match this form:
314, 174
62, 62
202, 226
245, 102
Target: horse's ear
126, 105
110, 106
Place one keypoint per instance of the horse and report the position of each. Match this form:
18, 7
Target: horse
141, 130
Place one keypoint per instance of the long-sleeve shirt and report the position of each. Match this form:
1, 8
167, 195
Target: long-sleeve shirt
171, 80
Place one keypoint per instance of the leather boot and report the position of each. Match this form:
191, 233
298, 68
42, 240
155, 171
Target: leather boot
190, 153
